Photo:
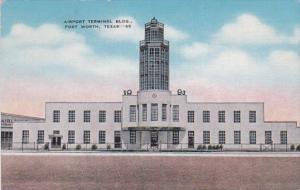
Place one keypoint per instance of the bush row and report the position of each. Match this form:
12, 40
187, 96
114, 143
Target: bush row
294, 147
210, 147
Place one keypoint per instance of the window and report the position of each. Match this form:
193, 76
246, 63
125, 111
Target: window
71, 115
56, 116
132, 113
154, 112
268, 137
132, 137
86, 137
175, 137
222, 116
221, 137
175, 113
101, 137
71, 137
237, 116
86, 116
206, 137
206, 116
118, 116
283, 137
102, 116
191, 116
252, 137
164, 112
144, 112
237, 137
25, 136
40, 138
252, 116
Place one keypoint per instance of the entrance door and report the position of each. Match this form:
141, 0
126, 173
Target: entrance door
56, 142
154, 138
118, 143
191, 139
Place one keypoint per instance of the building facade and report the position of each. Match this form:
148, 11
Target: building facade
7, 121
154, 117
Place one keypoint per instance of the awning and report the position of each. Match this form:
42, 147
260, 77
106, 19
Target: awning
55, 135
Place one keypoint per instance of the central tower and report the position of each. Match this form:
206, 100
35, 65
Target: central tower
154, 58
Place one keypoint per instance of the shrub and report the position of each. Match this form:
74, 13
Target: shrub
199, 147
298, 148
64, 146
108, 147
209, 147
46, 147
94, 147
292, 147
221, 146
78, 147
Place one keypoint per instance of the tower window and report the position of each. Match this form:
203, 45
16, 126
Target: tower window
144, 112
154, 112
164, 112
175, 113
132, 113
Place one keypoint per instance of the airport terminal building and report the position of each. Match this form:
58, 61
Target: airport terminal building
154, 118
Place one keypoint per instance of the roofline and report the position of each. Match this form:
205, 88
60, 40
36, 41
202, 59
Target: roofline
85, 102
280, 122
32, 117
225, 102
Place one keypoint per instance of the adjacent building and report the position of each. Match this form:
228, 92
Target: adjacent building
154, 117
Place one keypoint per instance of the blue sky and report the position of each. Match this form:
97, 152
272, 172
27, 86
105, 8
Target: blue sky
246, 50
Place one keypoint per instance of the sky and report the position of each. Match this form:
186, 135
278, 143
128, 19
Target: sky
220, 51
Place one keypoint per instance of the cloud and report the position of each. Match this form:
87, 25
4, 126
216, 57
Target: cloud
248, 29
283, 59
46, 63
51, 46
136, 32
195, 51
174, 34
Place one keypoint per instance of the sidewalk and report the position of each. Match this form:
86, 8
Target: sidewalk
181, 154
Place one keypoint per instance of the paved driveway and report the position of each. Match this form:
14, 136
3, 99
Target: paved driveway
140, 172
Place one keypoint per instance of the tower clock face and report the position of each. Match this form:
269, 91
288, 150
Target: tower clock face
154, 95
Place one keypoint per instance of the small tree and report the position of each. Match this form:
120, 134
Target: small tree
292, 147
46, 147
94, 147
209, 147
298, 148
64, 147
199, 147
108, 147
78, 147
221, 146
